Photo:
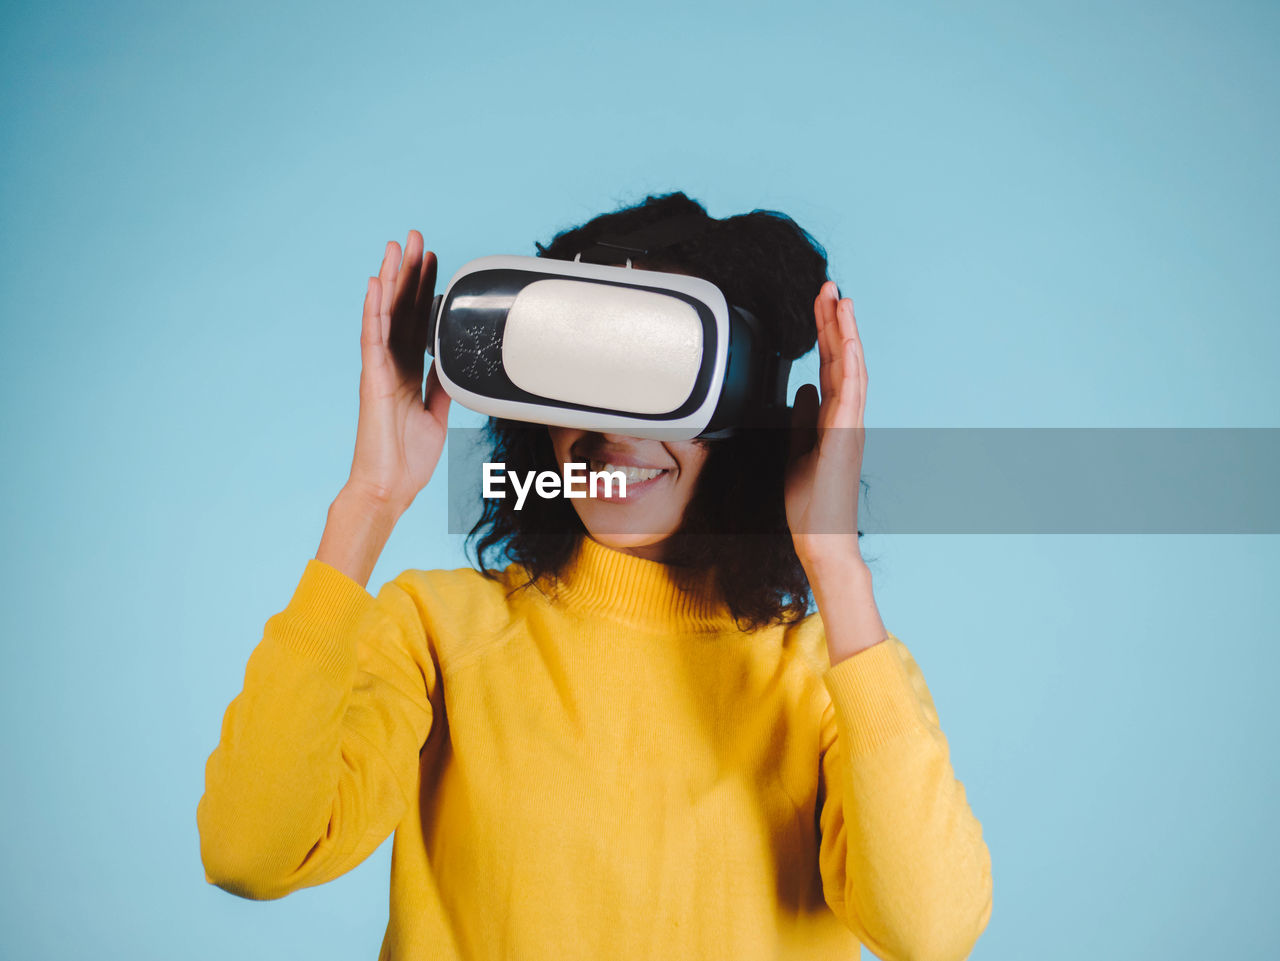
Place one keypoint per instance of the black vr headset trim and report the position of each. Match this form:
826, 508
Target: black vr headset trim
469, 323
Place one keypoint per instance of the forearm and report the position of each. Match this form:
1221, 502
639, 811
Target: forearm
270, 783
903, 857
356, 531
842, 589
917, 873
317, 752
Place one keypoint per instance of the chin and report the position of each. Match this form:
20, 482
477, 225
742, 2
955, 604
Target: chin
620, 540
632, 538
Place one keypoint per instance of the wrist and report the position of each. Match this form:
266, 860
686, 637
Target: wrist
836, 561
845, 596
355, 533
833, 577
377, 505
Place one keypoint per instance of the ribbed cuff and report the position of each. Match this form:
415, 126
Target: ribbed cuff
873, 697
322, 620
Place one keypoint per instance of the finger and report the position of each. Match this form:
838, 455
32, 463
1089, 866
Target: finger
406, 287
829, 339
373, 350
824, 347
387, 278
370, 325
862, 357
855, 364
831, 326
408, 338
851, 393
426, 296
839, 408
437, 396
844, 317
847, 392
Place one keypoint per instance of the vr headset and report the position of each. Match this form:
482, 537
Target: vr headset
593, 344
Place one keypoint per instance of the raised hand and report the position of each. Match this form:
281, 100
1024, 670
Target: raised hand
828, 438
400, 434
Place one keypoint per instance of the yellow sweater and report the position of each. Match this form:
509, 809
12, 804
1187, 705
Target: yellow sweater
617, 773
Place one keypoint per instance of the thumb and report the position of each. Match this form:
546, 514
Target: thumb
437, 399
804, 421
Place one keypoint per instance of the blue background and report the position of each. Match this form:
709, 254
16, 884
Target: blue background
1047, 214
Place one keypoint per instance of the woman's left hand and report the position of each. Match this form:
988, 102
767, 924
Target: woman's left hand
827, 441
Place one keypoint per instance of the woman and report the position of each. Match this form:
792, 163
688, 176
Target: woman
635, 741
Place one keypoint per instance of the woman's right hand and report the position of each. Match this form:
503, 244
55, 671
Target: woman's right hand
399, 436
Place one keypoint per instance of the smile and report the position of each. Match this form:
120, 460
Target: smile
634, 475
639, 480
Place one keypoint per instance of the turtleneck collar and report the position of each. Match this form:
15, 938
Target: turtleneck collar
622, 587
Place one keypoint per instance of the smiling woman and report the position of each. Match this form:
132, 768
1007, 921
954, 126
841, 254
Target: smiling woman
633, 739
720, 505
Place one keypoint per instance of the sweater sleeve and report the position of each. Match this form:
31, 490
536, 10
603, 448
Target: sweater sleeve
318, 754
901, 855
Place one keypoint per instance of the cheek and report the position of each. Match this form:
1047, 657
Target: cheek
561, 441
690, 473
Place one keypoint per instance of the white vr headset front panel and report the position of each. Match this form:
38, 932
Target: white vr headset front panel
647, 364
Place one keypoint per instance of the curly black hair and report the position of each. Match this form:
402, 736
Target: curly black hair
735, 524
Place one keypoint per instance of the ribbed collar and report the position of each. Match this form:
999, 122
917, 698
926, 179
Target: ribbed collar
622, 587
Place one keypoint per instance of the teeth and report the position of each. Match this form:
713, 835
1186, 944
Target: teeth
634, 475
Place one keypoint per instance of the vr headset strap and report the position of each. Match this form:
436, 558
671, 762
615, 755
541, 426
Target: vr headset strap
646, 240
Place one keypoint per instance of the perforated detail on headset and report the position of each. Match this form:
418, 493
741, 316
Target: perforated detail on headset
479, 351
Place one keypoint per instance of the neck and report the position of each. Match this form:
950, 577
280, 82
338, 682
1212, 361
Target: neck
650, 552
623, 586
